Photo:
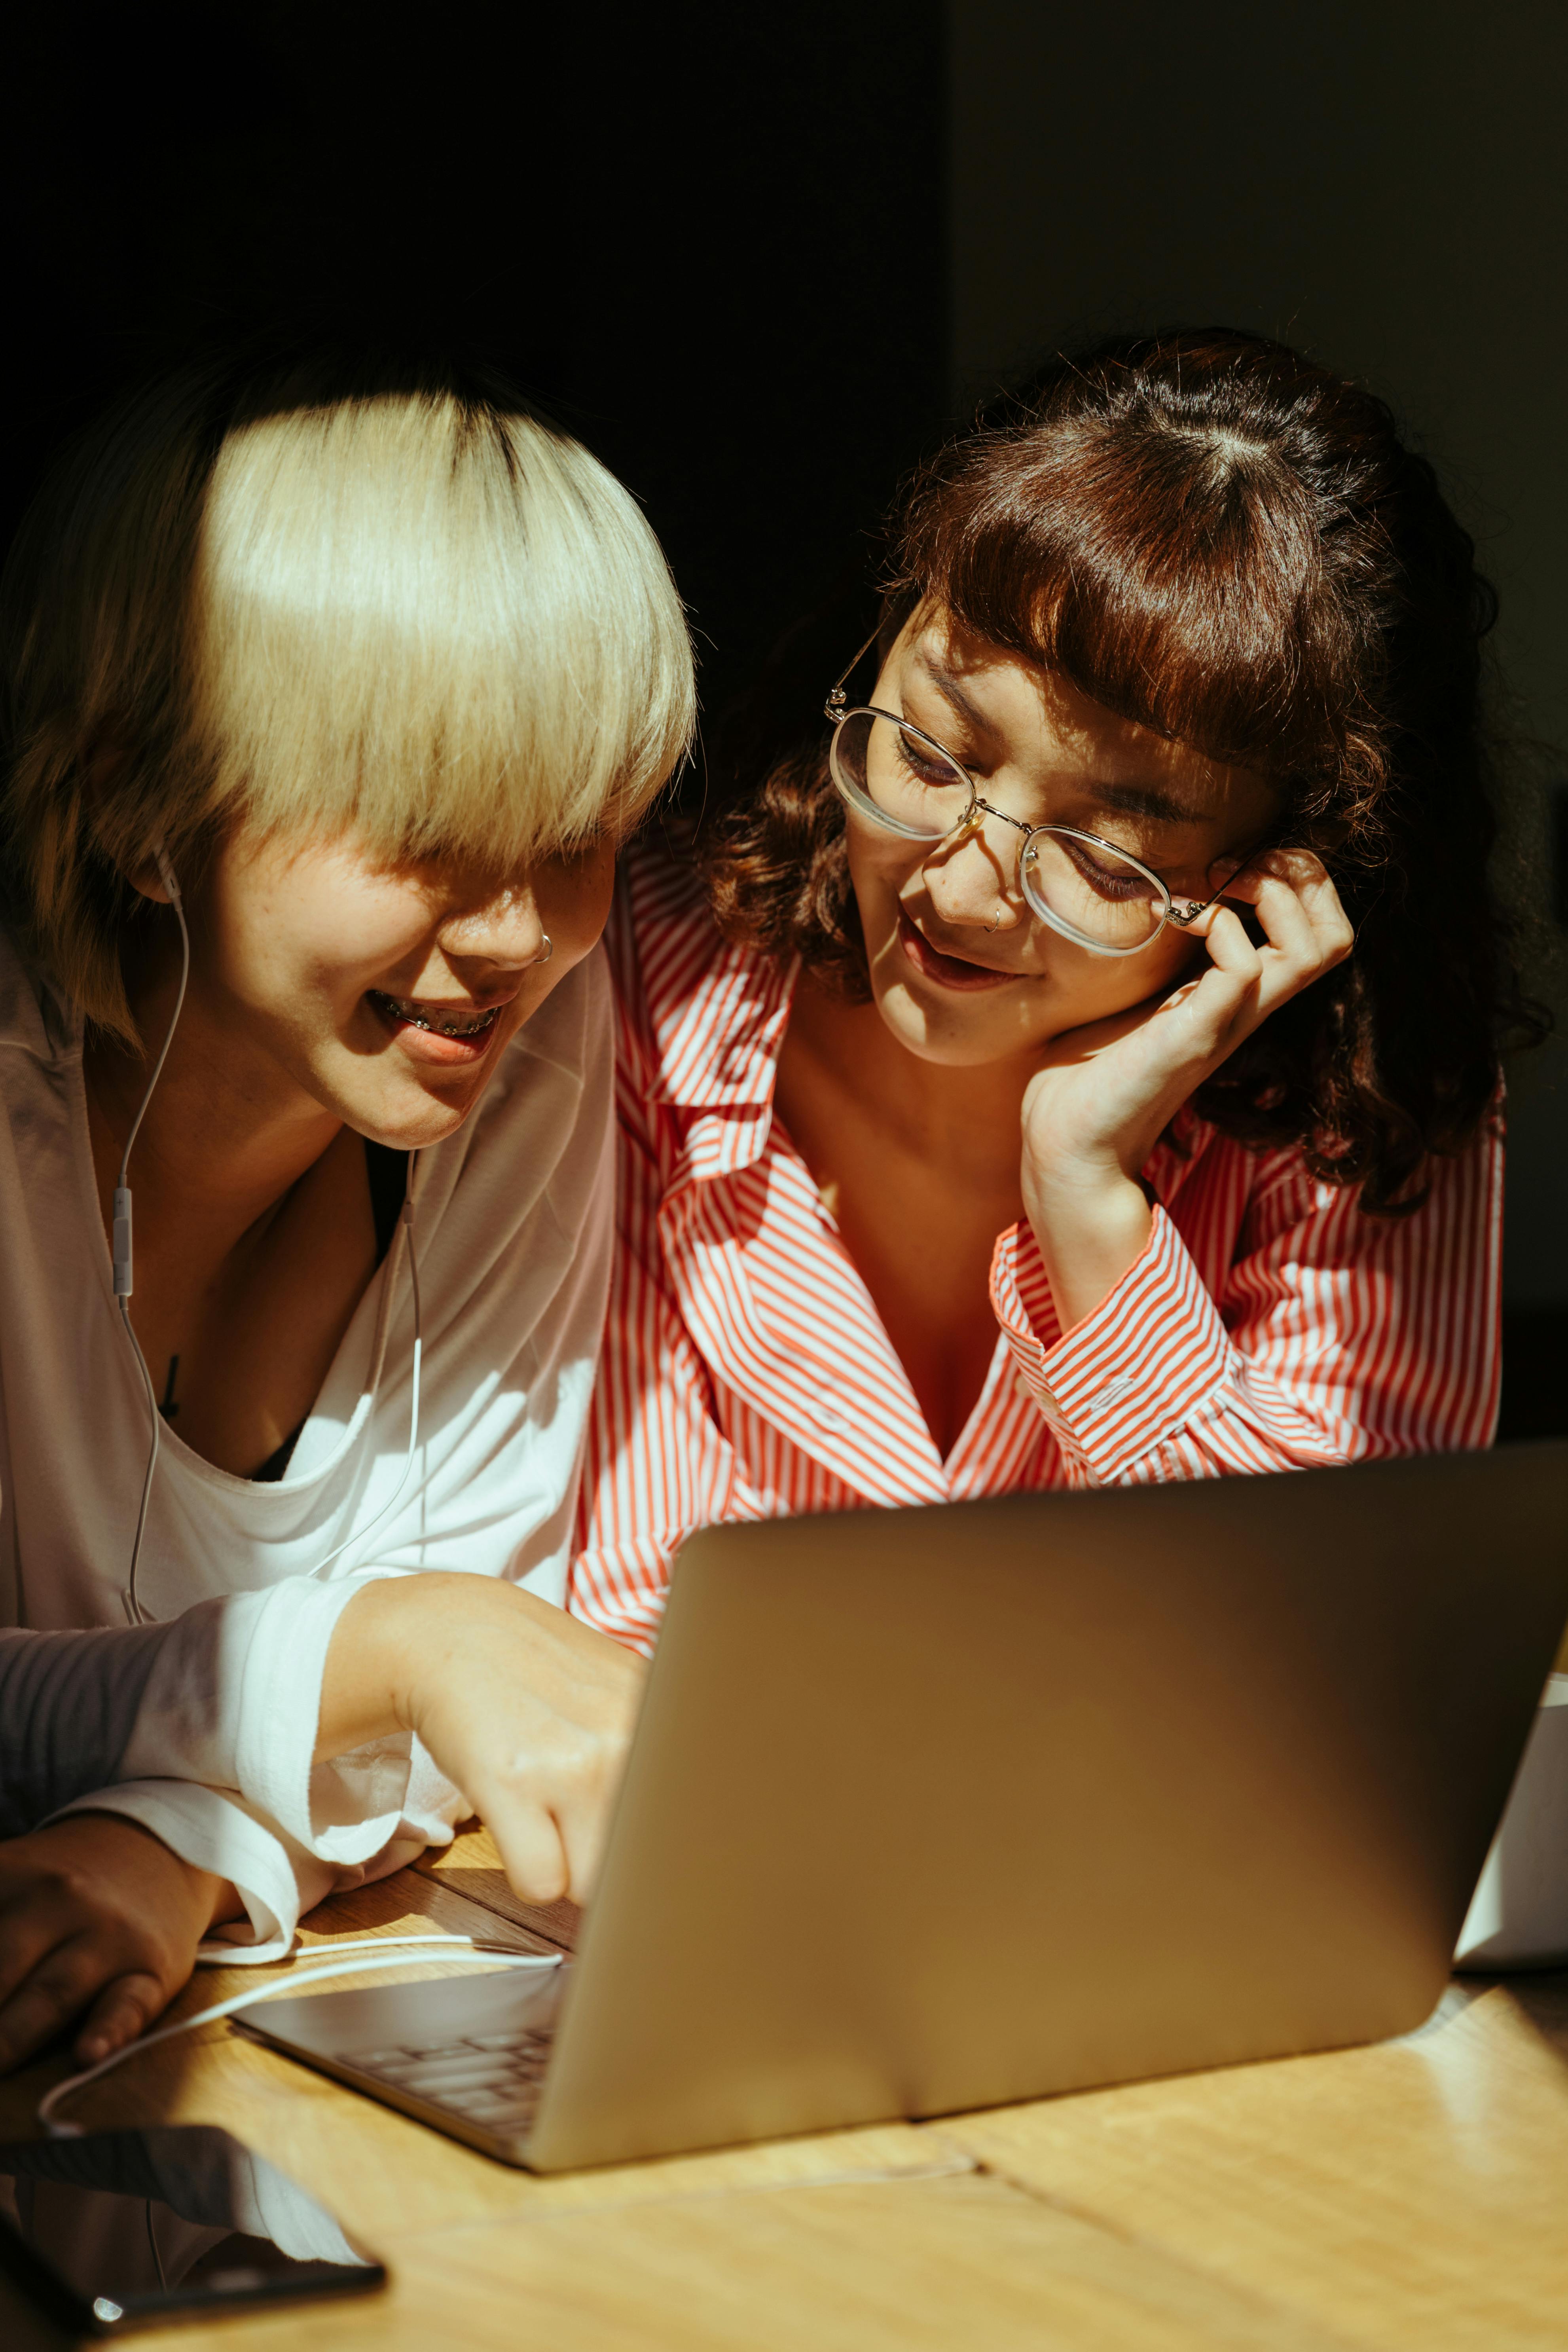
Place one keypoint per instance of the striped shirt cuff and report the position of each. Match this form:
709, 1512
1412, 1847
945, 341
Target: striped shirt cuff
1133, 1371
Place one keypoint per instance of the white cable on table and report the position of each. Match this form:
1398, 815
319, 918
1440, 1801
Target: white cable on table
51, 2099
334, 1950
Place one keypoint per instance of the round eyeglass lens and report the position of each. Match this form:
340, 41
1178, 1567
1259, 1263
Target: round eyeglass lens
891, 773
1082, 886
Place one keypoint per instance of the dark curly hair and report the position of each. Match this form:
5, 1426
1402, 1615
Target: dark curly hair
1209, 534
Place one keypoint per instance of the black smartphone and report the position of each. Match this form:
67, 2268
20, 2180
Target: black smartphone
125, 2229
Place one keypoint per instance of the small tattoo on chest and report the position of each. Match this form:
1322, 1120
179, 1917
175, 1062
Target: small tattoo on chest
169, 1408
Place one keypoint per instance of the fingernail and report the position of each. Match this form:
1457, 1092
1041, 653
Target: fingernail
95, 2047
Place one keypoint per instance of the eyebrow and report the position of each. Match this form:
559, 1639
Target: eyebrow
948, 686
1145, 800
1122, 800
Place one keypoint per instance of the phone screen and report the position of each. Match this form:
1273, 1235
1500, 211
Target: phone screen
122, 2229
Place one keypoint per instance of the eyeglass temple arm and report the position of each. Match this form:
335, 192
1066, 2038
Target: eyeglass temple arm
834, 706
1197, 906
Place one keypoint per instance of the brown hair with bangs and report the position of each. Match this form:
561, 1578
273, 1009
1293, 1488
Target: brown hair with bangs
1211, 535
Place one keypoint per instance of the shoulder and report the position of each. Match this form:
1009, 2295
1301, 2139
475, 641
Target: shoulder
661, 938
700, 1019
35, 1018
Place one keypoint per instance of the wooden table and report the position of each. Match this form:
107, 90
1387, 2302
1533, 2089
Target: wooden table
1415, 2194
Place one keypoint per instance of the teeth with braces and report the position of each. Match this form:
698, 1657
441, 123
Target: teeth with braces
454, 1024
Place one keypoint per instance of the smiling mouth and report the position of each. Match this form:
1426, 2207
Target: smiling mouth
948, 970
438, 1020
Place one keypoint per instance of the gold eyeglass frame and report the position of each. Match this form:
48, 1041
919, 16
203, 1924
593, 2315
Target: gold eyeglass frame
838, 710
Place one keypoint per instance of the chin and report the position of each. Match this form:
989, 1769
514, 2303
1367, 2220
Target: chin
410, 1120
952, 1039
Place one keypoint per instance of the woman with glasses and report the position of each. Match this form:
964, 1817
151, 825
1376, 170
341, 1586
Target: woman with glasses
1079, 1062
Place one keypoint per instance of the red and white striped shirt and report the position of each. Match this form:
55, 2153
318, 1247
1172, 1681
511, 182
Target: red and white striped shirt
1269, 1324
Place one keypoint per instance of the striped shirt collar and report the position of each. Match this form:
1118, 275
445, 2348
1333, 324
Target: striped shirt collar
713, 1016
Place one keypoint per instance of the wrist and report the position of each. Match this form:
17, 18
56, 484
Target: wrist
226, 1902
1092, 1221
1070, 1201
396, 1652
371, 1664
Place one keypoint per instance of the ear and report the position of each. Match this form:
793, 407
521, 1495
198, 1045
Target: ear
103, 763
150, 881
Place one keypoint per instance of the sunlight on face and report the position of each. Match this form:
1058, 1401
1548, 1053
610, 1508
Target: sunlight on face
961, 970
385, 993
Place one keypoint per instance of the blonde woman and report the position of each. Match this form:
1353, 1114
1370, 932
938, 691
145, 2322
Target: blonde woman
329, 698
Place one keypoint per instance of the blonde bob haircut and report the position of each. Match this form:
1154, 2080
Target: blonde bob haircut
313, 600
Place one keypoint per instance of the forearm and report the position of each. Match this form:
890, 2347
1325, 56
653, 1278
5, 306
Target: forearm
68, 1704
366, 1687
228, 1846
1092, 1224
406, 1644
214, 1900
1153, 1384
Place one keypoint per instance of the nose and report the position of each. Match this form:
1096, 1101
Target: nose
971, 877
503, 934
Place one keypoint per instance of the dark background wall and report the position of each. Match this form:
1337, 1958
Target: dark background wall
712, 241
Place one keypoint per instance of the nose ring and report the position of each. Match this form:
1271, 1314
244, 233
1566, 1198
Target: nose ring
549, 949
997, 918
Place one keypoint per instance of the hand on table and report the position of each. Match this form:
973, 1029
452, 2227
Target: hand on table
1094, 1112
96, 1915
527, 1710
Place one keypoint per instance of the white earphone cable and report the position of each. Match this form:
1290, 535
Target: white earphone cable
122, 1246
124, 1256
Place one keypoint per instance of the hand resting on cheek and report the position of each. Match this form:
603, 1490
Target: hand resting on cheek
1104, 1094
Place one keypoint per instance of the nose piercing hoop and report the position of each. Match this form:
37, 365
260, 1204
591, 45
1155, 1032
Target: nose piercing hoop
997, 918
549, 949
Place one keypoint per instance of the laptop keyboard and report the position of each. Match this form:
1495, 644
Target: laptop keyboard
492, 2080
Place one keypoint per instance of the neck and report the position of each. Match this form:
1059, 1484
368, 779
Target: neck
228, 1132
964, 1119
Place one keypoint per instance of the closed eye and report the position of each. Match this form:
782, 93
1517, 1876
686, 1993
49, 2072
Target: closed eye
924, 764
1116, 881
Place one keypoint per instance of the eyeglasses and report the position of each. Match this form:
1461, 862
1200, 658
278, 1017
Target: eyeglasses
1085, 887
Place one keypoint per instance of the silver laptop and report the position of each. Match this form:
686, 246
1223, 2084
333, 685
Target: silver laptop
932, 1810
